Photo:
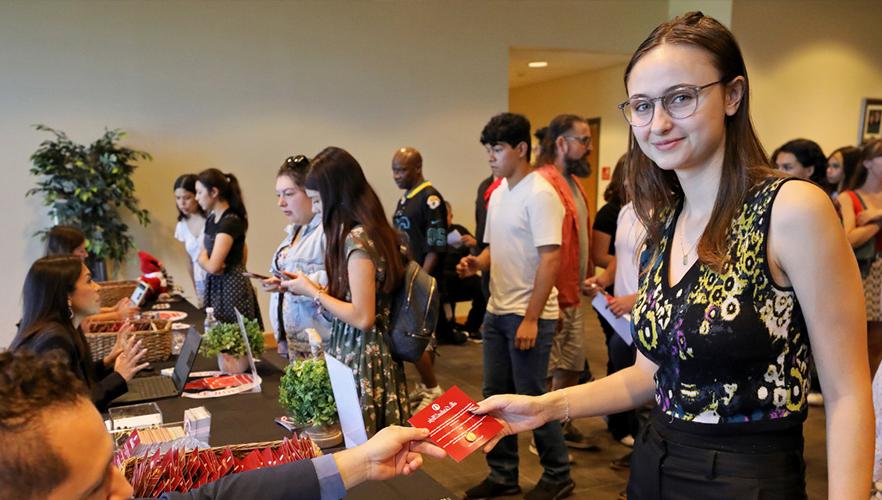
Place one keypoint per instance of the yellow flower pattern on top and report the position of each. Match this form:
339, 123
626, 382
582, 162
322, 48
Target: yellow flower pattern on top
731, 346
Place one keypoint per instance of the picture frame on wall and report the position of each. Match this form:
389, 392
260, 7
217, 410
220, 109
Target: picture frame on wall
871, 120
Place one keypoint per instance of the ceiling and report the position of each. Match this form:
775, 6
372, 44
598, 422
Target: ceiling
561, 63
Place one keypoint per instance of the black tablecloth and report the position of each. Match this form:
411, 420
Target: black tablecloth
248, 418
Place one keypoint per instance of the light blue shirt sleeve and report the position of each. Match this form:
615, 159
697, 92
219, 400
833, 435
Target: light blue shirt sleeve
330, 480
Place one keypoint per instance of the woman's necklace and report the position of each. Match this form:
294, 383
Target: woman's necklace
683, 249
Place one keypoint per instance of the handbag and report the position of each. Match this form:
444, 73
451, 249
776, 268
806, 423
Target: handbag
415, 310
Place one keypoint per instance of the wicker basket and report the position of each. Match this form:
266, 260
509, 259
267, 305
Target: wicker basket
112, 292
238, 450
155, 335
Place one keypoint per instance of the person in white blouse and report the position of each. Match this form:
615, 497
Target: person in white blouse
190, 229
301, 252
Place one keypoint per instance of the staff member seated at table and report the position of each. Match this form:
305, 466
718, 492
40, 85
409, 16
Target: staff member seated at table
58, 294
69, 240
55, 446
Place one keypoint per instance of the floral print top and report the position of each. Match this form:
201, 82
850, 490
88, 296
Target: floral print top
731, 346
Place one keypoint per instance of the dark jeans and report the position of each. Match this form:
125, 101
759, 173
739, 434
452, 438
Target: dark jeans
662, 469
508, 370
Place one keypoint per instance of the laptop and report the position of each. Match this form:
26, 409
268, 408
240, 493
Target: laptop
155, 387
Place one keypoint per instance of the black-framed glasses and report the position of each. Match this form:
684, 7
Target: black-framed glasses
584, 140
297, 161
680, 102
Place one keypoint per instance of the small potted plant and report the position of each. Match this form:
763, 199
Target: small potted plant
305, 391
224, 340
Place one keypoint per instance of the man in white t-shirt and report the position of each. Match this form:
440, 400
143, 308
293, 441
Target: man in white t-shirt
523, 231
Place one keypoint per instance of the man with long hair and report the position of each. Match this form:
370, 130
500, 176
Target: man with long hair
564, 159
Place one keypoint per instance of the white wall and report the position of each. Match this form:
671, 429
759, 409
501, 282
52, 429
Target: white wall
592, 94
241, 85
810, 64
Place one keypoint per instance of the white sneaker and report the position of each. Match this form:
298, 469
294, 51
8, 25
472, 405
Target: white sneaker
627, 441
429, 395
535, 451
416, 394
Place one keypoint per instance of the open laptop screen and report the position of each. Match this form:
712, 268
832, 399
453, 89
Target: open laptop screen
186, 359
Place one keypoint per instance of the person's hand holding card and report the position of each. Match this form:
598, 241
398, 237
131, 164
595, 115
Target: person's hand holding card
454, 426
516, 413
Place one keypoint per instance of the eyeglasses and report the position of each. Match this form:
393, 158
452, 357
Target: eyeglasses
297, 161
681, 102
584, 140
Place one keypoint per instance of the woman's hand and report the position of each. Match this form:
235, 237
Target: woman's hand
515, 413
128, 363
123, 336
593, 285
126, 309
870, 216
300, 284
271, 285
622, 305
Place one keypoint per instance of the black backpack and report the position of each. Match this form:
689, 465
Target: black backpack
415, 310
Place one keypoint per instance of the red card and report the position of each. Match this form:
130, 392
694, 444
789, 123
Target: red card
453, 427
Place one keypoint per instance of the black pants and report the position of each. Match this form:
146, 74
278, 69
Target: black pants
466, 289
662, 469
619, 356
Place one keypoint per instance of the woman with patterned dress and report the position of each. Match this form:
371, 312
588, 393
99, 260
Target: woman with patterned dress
744, 276
225, 253
364, 266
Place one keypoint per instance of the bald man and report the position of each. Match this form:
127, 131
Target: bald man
422, 216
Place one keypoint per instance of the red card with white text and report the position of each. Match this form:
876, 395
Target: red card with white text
453, 426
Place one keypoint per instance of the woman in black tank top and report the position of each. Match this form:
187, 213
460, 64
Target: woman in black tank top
744, 277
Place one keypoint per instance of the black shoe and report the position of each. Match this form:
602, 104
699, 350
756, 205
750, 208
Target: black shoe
490, 489
454, 338
574, 438
550, 491
621, 463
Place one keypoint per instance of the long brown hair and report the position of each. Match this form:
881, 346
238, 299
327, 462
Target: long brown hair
348, 200
654, 190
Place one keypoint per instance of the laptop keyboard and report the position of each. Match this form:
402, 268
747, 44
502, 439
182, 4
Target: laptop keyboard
152, 386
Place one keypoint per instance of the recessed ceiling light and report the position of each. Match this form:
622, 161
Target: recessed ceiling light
537, 64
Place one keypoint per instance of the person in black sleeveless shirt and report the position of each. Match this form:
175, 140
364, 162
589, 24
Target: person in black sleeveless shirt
225, 254
745, 275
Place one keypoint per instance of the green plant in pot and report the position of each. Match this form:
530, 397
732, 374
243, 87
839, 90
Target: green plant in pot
87, 187
305, 391
224, 340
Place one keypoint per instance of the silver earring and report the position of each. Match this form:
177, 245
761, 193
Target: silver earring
70, 309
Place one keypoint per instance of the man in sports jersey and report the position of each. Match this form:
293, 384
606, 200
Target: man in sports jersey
421, 216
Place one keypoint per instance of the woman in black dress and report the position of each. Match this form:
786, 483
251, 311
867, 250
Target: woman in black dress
225, 254
58, 294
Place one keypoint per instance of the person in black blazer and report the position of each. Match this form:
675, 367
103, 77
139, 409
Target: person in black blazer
58, 294
55, 446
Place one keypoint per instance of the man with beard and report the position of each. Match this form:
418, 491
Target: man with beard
564, 158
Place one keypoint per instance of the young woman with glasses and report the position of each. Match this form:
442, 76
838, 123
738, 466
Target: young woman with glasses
736, 279
301, 252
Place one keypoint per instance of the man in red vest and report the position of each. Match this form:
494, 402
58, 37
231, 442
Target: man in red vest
563, 160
